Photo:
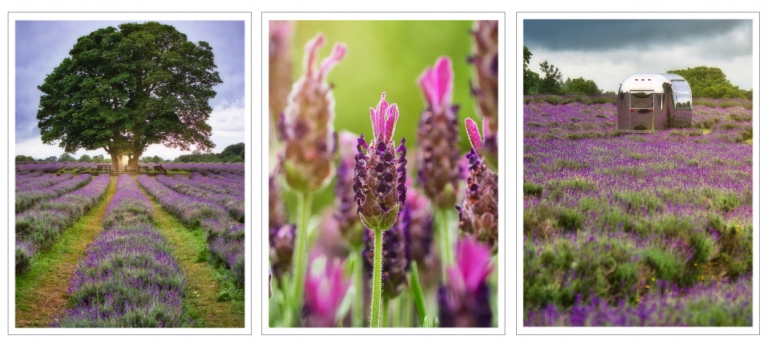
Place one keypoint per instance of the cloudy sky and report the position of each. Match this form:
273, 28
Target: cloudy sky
607, 51
43, 45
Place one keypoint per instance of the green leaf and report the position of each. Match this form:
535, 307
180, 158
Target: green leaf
418, 295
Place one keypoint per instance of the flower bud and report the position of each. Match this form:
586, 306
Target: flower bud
486, 63
324, 290
345, 206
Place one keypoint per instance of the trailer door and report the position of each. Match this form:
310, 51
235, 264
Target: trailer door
641, 107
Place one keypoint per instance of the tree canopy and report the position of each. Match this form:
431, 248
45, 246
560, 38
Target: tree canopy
580, 85
531, 79
552, 80
710, 82
123, 89
65, 157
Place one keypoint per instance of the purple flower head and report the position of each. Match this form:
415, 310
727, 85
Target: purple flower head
486, 63
465, 300
437, 153
280, 60
306, 126
478, 213
380, 171
345, 207
418, 221
324, 290
281, 243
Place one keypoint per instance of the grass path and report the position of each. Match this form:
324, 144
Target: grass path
41, 293
202, 290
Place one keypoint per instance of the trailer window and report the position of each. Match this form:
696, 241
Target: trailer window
641, 100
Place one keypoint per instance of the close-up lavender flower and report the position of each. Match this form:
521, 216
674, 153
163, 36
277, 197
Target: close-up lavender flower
306, 125
380, 186
280, 60
465, 300
282, 236
479, 212
437, 153
349, 224
485, 60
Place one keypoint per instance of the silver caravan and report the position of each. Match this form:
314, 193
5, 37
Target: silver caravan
651, 102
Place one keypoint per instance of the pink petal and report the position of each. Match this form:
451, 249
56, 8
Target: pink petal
444, 81
474, 135
310, 50
374, 122
427, 83
391, 121
472, 259
339, 51
381, 116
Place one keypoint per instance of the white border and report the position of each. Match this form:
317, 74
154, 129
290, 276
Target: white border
129, 16
266, 17
522, 330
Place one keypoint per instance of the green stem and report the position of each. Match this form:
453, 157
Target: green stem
357, 311
418, 295
300, 254
376, 291
445, 240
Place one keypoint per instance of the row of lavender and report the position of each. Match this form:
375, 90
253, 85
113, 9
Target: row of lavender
52, 167
624, 218
233, 200
226, 236
39, 227
129, 277
45, 187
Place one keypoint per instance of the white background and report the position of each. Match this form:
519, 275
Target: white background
510, 193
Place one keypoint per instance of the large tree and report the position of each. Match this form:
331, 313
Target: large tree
552, 80
709, 82
123, 89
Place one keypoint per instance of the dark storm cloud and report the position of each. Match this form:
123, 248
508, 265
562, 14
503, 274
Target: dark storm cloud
604, 35
43, 45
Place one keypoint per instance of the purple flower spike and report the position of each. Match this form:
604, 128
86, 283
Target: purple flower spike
465, 300
417, 216
307, 124
345, 207
478, 213
324, 290
280, 37
486, 93
379, 184
437, 153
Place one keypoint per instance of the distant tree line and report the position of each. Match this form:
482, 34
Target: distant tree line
231, 154
705, 82
552, 82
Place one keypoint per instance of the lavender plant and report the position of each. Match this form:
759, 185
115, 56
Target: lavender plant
479, 212
324, 290
486, 63
379, 187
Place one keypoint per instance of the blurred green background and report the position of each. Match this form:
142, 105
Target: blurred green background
387, 56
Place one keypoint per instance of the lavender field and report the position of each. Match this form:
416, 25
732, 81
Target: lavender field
130, 251
637, 229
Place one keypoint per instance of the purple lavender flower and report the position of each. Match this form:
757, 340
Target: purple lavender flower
465, 300
437, 153
478, 213
24, 252
324, 289
486, 63
417, 220
280, 40
281, 243
380, 175
345, 211
306, 127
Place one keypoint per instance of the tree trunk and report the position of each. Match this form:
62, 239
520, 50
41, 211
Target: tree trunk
115, 161
134, 161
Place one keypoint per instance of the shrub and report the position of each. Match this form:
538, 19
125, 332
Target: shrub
532, 189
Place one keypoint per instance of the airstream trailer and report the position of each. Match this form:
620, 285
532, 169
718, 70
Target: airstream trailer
651, 102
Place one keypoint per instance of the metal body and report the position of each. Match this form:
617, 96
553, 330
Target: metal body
651, 102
